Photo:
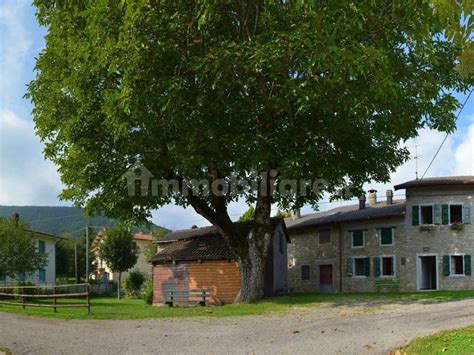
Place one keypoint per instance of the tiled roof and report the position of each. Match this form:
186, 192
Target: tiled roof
136, 236
244, 227
437, 181
205, 247
350, 213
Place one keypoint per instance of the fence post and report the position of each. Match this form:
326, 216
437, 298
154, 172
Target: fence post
23, 301
54, 300
88, 288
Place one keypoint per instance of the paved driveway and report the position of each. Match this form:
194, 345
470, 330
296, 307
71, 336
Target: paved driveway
333, 329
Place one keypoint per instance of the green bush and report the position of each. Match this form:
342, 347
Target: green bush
148, 291
27, 291
133, 284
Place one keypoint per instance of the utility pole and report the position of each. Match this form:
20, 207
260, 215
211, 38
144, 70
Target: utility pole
87, 253
75, 261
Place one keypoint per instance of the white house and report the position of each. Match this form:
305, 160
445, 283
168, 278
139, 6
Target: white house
46, 243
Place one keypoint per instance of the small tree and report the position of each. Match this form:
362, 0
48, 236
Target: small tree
18, 251
283, 214
119, 252
248, 215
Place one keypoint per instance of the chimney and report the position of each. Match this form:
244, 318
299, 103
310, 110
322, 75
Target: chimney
295, 214
389, 197
362, 202
16, 219
372, 197
194, 226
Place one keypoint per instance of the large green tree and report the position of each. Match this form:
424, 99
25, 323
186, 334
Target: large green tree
268, 91
19, 252
119, 252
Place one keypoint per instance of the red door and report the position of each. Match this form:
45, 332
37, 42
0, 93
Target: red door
325, 278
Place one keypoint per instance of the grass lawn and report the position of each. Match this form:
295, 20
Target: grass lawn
111, 308
459, 341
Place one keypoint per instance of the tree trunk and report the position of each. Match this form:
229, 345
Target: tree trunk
118, 284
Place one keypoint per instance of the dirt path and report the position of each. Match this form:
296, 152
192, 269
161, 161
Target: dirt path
339, 329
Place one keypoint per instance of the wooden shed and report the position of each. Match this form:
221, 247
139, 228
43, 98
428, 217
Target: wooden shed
200, 258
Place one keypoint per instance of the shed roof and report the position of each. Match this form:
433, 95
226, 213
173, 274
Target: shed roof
244, 227
206, 247
350, 213
437, 181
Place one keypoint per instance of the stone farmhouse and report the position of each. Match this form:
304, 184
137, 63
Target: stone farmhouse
423, 242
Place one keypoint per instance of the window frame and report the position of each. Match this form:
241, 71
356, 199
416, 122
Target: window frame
354, 276
451, 264
330, 237
380, 237
309, 273
449, 212
363, 239
394, 266
432, 214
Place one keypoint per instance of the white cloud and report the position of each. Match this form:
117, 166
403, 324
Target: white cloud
25, 177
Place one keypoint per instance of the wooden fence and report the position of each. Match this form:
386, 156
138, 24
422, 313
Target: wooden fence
25, 296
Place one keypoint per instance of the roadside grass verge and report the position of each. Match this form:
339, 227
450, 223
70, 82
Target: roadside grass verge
111, 308
457, 341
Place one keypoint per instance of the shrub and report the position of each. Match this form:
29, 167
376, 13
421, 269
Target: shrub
133, 284
148, 291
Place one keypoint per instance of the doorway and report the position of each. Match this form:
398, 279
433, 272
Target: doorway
427, 272
325, 278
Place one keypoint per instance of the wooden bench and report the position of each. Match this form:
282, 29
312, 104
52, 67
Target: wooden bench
187, 297
387, 284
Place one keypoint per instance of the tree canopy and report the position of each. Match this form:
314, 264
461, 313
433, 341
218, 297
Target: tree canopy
19, 253
273, 92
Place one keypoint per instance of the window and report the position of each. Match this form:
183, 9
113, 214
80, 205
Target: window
305, 272
455, 214
358, 239
324, 236
387, 266
386, 236
41, 246
41, 275
21, 277
457, 264
426, 214
359, 266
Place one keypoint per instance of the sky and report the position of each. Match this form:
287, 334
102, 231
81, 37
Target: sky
27, 179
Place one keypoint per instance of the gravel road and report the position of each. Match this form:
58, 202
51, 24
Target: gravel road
333, 329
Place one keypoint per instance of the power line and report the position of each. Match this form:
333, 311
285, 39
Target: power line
57, 217
447, 134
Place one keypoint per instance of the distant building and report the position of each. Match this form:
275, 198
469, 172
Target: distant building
423, 242
46, 243
143, 242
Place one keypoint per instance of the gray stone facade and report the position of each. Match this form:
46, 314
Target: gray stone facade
417, 250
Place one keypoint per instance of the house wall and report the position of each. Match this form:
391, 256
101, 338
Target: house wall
280, 261
304, 250
50, 269
141, 265
409, 241
441, 240
221, 277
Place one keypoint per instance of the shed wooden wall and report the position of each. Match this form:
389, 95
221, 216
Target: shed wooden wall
221, 277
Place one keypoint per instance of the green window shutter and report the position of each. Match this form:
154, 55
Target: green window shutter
377, 267
386, 236
445, 214
41, 246
357, 238
41, 275
437, 214
446, 266
349, 269
21, 277
415, 215
466, 213
367, 266
467, 265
